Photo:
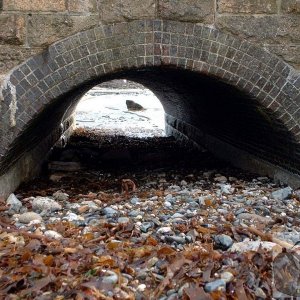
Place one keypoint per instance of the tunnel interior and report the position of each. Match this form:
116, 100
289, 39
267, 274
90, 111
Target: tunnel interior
206, 103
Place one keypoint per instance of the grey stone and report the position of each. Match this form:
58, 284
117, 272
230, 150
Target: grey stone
254, 217
40, 204
133, 106
109, 212
282, 194
226, 189
124, 10
176, 239
123, 220
221, 179
134, 200
223, 241
146, 226
14, 204
216, 285
177, 215
134, 213
187, 10
60, 196
240, 210
265, 29
28, 217
247, 6
227, 276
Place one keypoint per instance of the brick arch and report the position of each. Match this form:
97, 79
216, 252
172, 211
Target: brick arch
31, 88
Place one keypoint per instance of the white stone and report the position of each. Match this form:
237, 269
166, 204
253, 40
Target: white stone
142, 287
167, 204
51, 234
246, 246
45, 204
73, 217
28, 217
164, 230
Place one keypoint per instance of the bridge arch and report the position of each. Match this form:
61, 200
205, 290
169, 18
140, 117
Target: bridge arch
178, 61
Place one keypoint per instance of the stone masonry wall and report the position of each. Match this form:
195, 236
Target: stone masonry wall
29, 26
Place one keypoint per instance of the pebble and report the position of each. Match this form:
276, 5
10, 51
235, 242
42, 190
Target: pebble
282, 194
167, 204
109, 212
227, 276
60, 196
176, 239
254, 246
142, 287
53, 235
221, 179
14, 204
71, 217
254, 217
28, 217
123, 220
164, 230
217, 285
40, 204
134, 213
260, 293
134, 201
146, 226
223, 241
111, 278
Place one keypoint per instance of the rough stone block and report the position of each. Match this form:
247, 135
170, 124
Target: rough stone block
187, 10
79, 6
289, 53
11, 56
44, 30
263, 29
124, 10
290, 6
34, 5
12, 29
247, 6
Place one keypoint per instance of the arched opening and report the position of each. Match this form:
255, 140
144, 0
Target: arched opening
233, 98
121, 107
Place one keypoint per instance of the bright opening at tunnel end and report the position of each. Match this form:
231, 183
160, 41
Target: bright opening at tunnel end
121, 107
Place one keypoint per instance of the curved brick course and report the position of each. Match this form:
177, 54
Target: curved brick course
31, 88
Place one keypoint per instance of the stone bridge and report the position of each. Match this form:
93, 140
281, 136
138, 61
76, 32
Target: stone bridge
226, 72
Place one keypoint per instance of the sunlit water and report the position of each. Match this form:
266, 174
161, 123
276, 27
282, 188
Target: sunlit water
105, 109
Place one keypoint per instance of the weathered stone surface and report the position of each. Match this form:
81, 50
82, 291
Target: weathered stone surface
43, 30
265, 29
124, 10
34, 5
187, 10
82, 6
289, 53
290, 6
12, 29
248, 6
12, 55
